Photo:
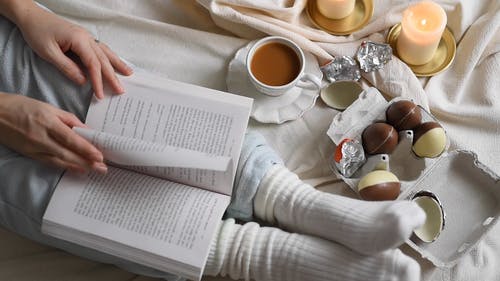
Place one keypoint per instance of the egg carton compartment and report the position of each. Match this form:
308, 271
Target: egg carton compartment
468, 190
470, 196
369, 108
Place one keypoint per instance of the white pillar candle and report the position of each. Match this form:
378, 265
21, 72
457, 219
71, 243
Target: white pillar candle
421, 30
336, 9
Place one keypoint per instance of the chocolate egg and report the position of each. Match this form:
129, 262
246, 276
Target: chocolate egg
434, 213
379, 185
403, 115
429, 140
379, 138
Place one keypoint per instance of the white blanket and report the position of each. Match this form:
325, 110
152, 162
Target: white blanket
179, 39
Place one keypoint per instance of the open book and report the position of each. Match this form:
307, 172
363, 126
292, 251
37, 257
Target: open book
172, 150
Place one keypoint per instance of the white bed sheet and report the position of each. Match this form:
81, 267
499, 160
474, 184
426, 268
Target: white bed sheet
178, 39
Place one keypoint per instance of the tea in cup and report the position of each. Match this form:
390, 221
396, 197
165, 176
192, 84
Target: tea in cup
276, 64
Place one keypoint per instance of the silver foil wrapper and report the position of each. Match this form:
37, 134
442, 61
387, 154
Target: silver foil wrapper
373, 56
349, 156
342, 68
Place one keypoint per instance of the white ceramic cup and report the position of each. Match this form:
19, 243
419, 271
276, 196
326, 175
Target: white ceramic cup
302, 80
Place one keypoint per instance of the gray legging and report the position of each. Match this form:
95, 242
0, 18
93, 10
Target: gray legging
26, 185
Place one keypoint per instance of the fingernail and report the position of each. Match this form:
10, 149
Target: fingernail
97, 156
121, 90
81, 79
101, 168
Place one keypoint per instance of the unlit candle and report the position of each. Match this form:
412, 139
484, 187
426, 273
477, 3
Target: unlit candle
336, 9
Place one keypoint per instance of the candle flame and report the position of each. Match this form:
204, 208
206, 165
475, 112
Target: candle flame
423, 22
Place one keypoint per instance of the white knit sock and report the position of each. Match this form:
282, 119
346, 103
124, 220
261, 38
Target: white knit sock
270, 254
365, 226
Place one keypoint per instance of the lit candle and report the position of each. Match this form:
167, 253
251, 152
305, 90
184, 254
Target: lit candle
421, 30
336, 9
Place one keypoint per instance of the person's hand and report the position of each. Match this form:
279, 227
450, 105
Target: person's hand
50, 36
43, 132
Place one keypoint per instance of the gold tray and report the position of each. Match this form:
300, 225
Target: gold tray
442, 59
363, 11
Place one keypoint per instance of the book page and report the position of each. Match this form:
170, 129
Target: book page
163, 111
143, 212
128, 151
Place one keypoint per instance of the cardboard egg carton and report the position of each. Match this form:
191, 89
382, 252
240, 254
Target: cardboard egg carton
468, 190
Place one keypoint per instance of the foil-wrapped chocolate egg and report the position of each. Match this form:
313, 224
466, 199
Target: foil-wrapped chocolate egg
429, 140
379, 138
403, 115
379, 185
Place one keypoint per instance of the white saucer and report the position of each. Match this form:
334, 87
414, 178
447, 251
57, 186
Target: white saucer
266, 109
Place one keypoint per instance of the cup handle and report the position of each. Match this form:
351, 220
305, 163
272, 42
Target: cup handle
309, 81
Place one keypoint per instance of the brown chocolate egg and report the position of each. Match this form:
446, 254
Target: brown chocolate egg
429, 140
379, 138
403, 115
379, 185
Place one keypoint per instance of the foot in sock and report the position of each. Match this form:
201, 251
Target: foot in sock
365, 226
270, 254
